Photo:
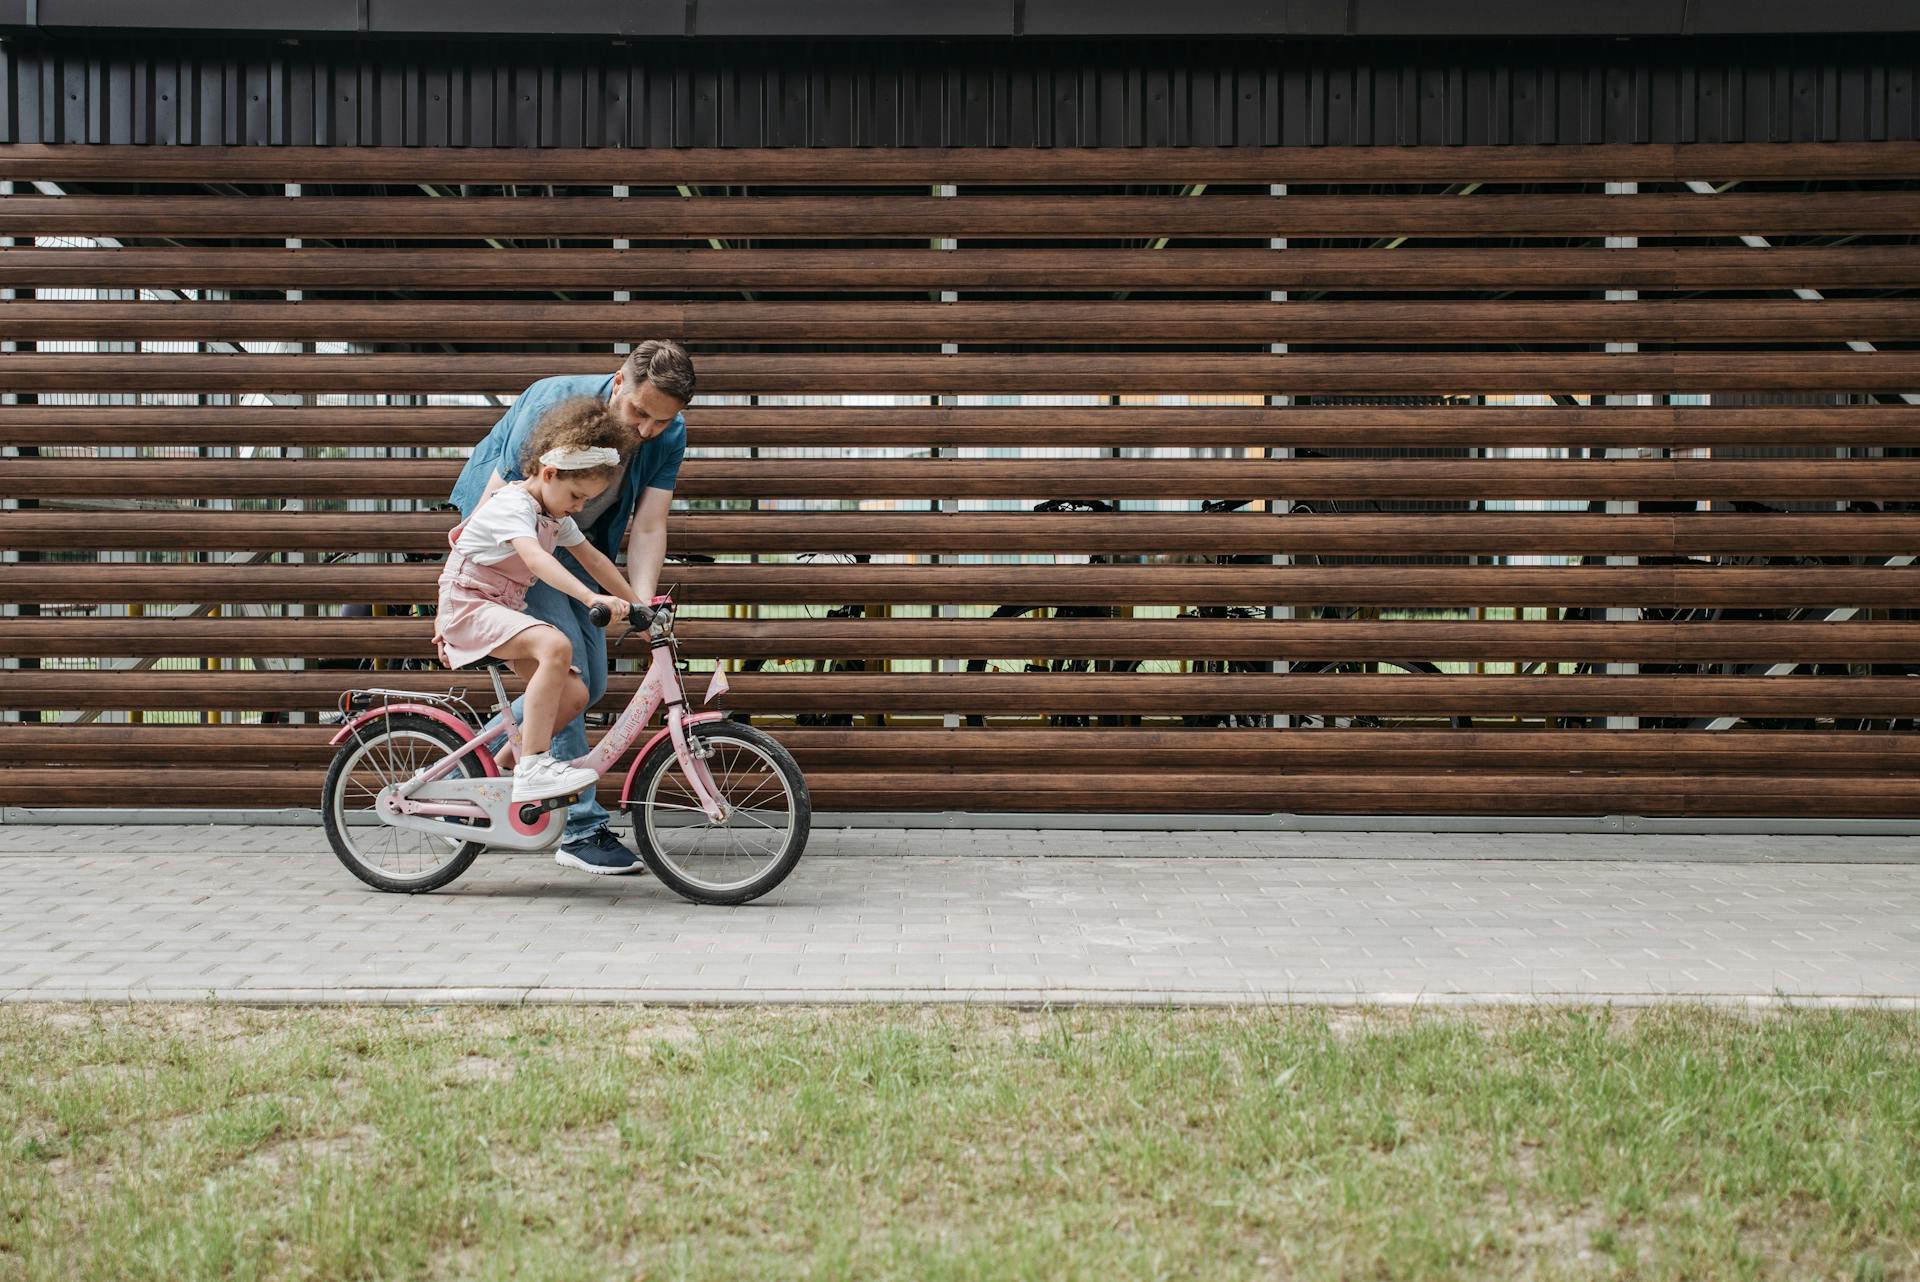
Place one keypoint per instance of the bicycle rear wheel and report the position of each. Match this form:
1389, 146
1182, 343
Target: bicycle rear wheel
392, 859
754, 848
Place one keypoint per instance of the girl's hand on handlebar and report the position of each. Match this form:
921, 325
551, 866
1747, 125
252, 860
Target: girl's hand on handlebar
603, 610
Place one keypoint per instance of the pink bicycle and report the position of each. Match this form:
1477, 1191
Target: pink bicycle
720, 810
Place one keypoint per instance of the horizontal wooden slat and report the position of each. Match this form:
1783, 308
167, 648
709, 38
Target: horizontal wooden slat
1123, 534
1042, 694
1257, 640
670, 271
1132, 324
1347, 373
919, 166
1089, 753
1040, 426
1154, 791
1731, 587
704, 478
669, 217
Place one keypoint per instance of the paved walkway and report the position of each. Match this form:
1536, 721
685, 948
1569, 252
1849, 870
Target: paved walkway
265, 914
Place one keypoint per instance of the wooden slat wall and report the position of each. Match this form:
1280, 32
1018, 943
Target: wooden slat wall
1433, 606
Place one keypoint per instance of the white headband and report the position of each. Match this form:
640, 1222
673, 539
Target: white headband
574, 460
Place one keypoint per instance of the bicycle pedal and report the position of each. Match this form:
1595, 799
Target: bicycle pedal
530, 811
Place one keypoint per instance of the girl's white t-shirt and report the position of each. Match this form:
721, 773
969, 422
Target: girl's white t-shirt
511, 513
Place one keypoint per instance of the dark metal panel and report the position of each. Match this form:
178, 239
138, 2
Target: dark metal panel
1900, 103
206, 108
256, 107
1288, 85
1432, 108
1200, 93
9, 88
1023, 108
828, 18
790, 124
1516, 17
521, 124
492, 17
163, 124
1711, 17
435, 106
664, 85
253, 17
922, 92
1573, 102
1523, 92
344, 120
1249, 104
570, 124
1804, 85
993, 19
882, 123
69, 92
388, 125
1147, 17
1617, 103
1317, 17
706, 114
1421, 104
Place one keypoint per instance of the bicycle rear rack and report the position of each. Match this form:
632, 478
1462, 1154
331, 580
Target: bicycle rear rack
354, 702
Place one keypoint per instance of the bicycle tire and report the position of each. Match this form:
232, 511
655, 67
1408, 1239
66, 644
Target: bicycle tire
669, 849
425, 736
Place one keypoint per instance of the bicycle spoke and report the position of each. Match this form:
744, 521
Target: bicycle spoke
758, 829
378, 766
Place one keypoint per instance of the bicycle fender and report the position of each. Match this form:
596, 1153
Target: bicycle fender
441, 715
626, 786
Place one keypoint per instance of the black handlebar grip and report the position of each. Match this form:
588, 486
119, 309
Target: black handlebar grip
638, 616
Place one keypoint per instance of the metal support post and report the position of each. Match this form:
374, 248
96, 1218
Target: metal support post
948, 609
1623, 506
296, 609
9, 556
622, 192
1279, 506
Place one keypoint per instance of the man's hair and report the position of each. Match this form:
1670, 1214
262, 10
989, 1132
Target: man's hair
577, 423
665, 364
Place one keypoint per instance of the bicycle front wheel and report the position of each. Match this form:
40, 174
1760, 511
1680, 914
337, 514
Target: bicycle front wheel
754, 848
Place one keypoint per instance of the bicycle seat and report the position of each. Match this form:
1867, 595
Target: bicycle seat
485, 663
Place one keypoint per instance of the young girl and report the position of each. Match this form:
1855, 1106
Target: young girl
506, 543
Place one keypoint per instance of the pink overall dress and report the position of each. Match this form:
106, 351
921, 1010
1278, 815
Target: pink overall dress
482, 606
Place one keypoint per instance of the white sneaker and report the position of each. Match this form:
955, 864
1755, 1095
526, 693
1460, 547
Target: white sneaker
540, 777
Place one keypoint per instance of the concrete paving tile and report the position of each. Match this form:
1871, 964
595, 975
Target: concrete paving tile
254, 914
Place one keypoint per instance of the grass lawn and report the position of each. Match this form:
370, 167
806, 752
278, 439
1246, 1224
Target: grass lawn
179, 1142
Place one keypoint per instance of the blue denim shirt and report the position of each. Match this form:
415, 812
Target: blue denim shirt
655, 465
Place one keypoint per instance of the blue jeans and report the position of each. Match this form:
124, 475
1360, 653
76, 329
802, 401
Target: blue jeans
585, 816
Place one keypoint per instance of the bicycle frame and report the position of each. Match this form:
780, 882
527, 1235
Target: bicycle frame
432, 801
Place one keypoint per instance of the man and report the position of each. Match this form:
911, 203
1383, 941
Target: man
646, 394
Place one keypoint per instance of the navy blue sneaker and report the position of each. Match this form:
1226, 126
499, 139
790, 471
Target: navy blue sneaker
600, 853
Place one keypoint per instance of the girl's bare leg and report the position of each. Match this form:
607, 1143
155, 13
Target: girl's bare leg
540, 655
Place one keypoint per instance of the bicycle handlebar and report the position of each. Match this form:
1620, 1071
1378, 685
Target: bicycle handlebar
638, 616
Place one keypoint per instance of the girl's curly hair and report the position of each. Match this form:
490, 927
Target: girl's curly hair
580, 422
